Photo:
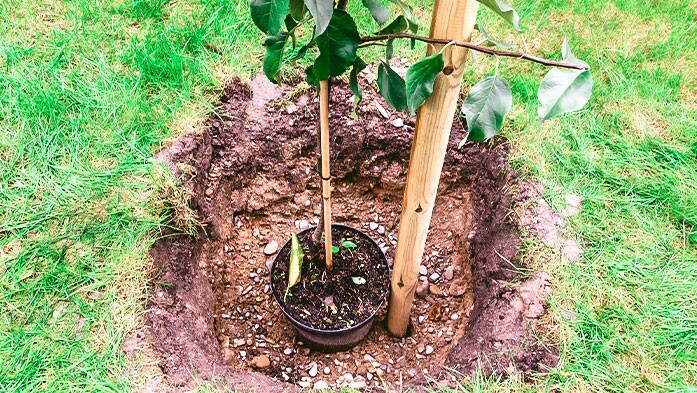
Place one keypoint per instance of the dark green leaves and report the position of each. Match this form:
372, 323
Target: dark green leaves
392, 87
269, 15
505, 11
337, 46
358, 66
378, 10
274, 55
485, 106
398, 25
564, 90
420, 78
297, 9
321, 11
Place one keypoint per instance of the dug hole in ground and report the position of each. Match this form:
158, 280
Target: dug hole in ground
252, 176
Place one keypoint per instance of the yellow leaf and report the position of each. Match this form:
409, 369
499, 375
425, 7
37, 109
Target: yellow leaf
296, 261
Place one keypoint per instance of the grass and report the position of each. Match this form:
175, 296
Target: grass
90, 90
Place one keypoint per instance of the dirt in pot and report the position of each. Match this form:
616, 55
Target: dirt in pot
254, 180
336, 299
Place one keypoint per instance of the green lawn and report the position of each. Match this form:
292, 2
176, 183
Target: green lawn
90, 90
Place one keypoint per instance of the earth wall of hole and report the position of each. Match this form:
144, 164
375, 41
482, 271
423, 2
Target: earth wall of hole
252, 178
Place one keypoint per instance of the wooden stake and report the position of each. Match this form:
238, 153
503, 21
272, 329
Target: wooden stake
452, 20
326, 170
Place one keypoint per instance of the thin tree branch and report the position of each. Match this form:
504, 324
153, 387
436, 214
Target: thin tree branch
370, 39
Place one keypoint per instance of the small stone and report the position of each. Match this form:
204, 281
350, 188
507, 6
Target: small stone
421, 319
287, 351
421, 348
313, 370
327, 371
381, 229
271, 247
423, 270
358, 384
429, 350
303, 224
434, 277
458, 287
255, 232
321, 385
455, 316
449, 273
348, 377
227, 355
399, 123
422, 289
373, 226
290, 109
238, 342
261, 361
382, 110
434, 290
304, 384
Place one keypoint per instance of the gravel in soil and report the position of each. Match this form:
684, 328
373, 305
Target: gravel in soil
253, 180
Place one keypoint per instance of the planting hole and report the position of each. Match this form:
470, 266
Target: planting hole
253, 179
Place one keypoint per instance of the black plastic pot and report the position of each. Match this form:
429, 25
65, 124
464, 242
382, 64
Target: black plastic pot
340, 339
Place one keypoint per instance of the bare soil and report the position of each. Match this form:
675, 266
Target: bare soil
253, 179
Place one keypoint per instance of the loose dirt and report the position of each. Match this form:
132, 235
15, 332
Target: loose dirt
253, 179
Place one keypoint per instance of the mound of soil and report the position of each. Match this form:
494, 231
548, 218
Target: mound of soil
253, 180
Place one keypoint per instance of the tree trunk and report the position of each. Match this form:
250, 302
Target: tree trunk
453, 20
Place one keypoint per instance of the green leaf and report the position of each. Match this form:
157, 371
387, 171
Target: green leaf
348, 244
407, 10
392, 87
260, 10
269, 15
358, 66
310, 77
358, 280
335, 249
564, 90
378, 10
485, 106
398, 25
420, 79
505, 11
297, 9
337, 46
321, 11
490, 39
389, 49
303, 50
296, 261
274, 55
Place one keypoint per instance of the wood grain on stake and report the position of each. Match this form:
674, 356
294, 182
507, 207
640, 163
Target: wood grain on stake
454, 20
326, 170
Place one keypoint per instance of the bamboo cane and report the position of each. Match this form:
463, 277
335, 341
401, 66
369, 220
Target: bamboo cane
453, 20
326, 170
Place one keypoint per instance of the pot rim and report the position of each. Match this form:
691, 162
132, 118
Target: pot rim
334, 331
